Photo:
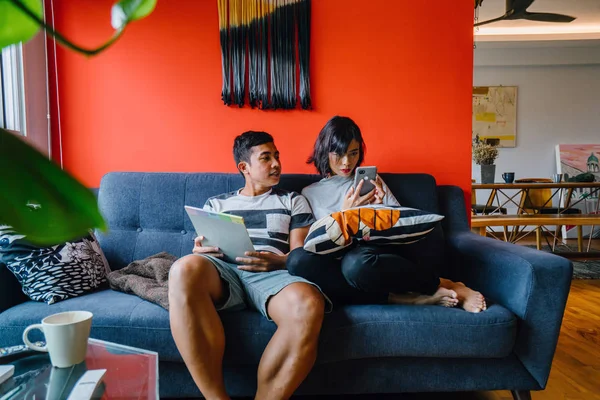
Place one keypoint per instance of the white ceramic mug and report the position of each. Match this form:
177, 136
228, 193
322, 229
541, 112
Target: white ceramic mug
66, 335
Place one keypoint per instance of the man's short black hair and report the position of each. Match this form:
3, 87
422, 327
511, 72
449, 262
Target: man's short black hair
335, 137
243, 144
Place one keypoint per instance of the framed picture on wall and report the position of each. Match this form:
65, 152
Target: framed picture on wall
495, 114
575, 159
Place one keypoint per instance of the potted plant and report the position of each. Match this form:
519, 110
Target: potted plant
484, 154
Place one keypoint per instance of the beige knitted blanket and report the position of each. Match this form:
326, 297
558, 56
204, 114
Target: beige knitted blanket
147, 278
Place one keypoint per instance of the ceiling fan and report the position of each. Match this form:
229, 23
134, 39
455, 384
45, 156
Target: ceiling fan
517, 9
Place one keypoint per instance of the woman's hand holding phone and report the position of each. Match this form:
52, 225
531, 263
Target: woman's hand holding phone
354, 199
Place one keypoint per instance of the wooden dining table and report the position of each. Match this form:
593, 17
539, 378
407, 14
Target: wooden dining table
523, 188
517, 194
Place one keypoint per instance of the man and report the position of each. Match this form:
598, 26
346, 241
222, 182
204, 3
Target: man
202, 283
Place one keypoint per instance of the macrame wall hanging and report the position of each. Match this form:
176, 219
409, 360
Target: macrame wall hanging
263, 45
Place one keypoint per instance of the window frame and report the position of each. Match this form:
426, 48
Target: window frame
13, 114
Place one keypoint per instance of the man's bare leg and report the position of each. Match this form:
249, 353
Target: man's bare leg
194, 287
468, 298
298, 311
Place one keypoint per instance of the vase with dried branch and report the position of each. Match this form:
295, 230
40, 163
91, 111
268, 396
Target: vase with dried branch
484, 154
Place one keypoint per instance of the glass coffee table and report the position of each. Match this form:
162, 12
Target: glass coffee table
130, 373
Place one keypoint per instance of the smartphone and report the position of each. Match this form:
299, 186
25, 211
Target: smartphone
366, 174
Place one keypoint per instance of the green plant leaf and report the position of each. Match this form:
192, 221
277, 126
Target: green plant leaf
16, 26
40, 200
126, 11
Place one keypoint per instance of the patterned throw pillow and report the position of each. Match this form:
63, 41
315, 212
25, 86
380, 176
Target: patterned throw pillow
376, 224
54, 273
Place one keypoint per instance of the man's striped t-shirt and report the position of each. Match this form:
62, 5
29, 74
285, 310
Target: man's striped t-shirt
268, 217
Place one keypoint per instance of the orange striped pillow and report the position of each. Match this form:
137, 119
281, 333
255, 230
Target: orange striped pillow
376, 224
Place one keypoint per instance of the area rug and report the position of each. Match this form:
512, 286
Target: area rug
582, 269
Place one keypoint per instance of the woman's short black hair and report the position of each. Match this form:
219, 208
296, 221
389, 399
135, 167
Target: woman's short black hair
336, 136
243, 144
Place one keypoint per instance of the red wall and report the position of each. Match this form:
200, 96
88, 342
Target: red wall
401, 69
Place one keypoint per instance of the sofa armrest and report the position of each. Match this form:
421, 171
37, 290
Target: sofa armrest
451, 201
534, 285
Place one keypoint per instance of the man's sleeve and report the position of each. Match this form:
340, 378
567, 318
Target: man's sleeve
301, 213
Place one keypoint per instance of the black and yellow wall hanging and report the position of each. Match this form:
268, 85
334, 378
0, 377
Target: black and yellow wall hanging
265, 45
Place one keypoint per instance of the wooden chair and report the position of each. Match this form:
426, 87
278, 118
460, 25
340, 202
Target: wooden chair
538, 201
483, 208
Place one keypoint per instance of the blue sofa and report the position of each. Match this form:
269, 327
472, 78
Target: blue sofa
364, 348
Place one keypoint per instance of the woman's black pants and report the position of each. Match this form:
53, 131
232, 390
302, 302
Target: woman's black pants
364, 275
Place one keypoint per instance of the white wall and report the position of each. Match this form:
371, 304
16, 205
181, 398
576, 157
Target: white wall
558, 100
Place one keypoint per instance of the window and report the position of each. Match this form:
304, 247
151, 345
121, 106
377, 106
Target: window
12, 89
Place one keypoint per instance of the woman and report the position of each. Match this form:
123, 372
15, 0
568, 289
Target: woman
367, 273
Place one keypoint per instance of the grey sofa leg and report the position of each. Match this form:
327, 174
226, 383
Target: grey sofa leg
521, 394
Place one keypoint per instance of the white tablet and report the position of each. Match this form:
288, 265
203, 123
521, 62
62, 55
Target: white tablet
225, 231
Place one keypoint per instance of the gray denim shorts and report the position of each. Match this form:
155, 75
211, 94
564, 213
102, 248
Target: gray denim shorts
254, 289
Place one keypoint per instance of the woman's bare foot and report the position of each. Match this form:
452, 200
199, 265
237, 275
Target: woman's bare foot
446, 297
442, 297
468, 299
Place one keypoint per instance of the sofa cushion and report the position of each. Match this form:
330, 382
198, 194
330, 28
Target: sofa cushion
350, 332
54, 273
